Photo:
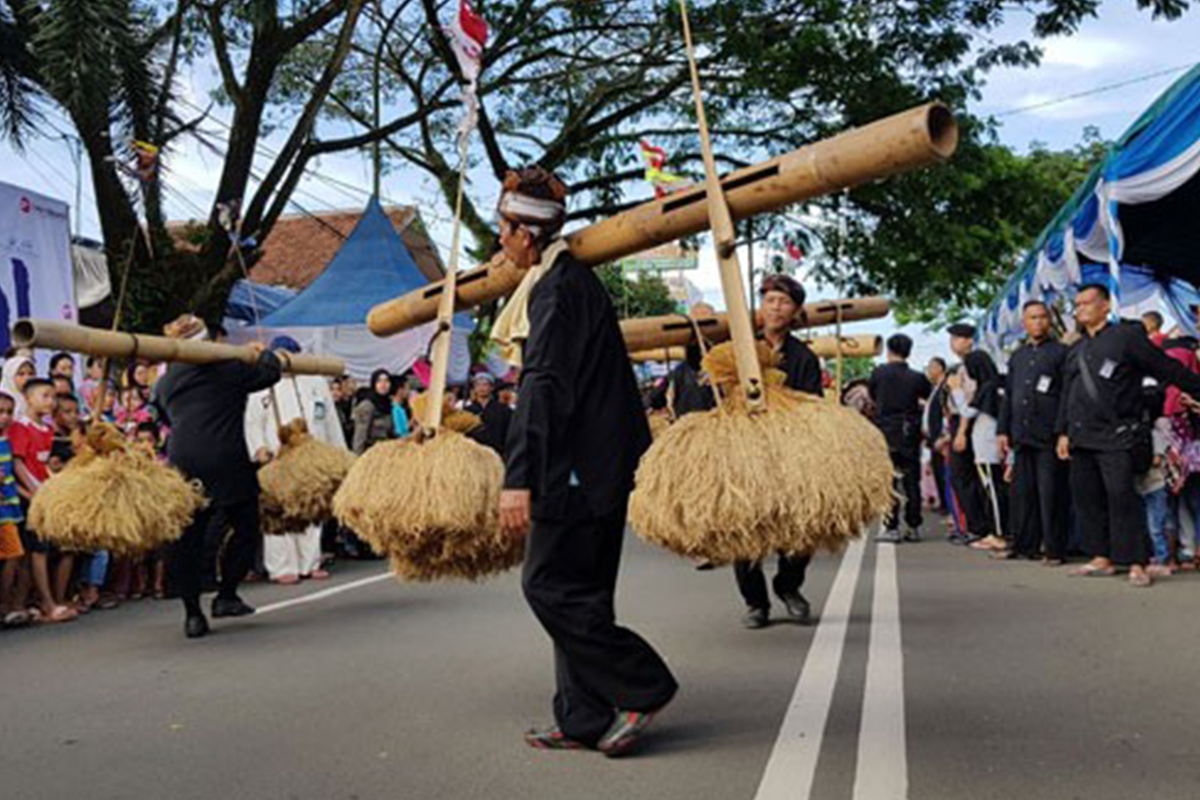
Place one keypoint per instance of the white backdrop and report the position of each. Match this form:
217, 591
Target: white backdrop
36, 277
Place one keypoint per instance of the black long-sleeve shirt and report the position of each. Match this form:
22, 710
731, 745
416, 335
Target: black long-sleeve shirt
898, 391
685, 391
1033, 392
1118, 358
801, 365
982, 369
579, 413
205, 405
497, 417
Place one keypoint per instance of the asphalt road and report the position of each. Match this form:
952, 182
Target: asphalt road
983, 680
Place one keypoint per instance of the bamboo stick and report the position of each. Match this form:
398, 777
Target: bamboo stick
741, 327
865, 345
911, 139
677, 330
52, 335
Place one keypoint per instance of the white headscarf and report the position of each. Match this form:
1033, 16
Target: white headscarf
8, 381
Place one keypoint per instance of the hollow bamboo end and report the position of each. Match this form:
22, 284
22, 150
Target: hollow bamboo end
24, 333
942, 129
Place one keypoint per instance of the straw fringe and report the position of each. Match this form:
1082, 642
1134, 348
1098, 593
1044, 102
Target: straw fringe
299, 484
114, 496
805, 475
432, 507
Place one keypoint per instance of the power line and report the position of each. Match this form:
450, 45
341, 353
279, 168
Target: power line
1098, 90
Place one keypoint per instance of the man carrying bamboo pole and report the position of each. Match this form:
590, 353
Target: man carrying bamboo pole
572, 450
782, 299
205, 407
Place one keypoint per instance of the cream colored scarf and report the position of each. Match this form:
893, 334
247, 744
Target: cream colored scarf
511, 328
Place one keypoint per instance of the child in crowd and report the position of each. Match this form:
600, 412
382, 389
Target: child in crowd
11, 551
1153, 488
133, 411
32, 440
91, 383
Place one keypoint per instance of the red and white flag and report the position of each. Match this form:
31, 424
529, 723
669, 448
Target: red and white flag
468, 33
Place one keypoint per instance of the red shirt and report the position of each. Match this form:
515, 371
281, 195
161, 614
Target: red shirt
32, 442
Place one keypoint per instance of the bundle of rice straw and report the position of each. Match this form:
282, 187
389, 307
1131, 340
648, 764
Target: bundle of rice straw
114, 496
658, 424
299, 484
725, 485
431, 506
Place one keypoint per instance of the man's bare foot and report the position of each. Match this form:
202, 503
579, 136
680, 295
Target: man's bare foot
1138, 577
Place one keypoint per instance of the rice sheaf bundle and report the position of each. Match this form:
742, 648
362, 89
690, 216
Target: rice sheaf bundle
299, 484
114, 496
804, 475
432, 506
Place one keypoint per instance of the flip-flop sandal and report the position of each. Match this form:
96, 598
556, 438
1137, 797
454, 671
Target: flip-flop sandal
1087, 571
17, 619
1142, 581
59, 614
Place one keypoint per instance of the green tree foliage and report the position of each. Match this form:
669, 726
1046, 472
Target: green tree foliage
944, 241
644, 295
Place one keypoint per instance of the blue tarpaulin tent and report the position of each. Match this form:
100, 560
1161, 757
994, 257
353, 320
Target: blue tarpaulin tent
329, 316
1133, 224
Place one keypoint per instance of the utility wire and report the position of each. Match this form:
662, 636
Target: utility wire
1097, 90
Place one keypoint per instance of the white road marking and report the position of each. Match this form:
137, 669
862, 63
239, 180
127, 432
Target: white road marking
321, 595
882, 772
793, 763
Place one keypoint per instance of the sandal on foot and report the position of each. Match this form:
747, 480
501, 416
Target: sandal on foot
59, 614
1140, 580
551, 739
1088, 571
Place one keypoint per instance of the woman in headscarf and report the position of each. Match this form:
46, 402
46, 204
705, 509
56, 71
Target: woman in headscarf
17, 370
373, 413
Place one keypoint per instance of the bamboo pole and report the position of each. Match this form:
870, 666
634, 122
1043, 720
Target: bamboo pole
860, 346
741, 327
911, 139
677, 330
51, 335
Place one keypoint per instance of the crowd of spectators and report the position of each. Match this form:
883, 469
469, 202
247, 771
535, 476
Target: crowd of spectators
43, 417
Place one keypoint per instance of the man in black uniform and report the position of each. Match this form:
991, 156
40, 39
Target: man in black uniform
496, 416
898, 392
1033, 391
782, 299
572, 450
1103, 432
205, 407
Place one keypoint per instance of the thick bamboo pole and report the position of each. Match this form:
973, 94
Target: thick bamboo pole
676, 330
112, 344
860, 346
905, 141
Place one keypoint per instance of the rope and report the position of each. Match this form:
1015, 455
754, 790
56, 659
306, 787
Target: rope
838, 337
704, 348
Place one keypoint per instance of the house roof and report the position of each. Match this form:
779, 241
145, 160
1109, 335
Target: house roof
300, 246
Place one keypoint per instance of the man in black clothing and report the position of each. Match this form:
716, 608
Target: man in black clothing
1101, 429
782, 299
496, 416
573, 446
205, 407
898, 392
974, 435
933, 426
1033, 391
684, 391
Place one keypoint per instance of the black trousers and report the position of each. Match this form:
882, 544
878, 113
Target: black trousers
569, 580
1111, 513
971, 496
236, 555
1039, 503
937, 462
907, 464
789, 577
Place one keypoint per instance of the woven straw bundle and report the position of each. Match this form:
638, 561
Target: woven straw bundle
431, 506
114, 496
725, 485
299, 484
